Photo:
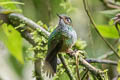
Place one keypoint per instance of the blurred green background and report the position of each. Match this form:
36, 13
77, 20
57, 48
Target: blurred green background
45, 11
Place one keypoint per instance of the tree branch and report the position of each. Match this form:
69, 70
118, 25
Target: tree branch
28, 22
77, 66
65, 66
106, 55
91, 68
84, 75
110, 4
102, 61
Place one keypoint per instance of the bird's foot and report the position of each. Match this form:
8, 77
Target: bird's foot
80, 53
75, 52
70, 52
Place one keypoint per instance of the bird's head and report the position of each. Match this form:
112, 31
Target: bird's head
64, 20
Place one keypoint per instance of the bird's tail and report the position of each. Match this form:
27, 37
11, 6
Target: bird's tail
50, 64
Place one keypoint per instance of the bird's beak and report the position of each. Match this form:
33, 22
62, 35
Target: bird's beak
59, 16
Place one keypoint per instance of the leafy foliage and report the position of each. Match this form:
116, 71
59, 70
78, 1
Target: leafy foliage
108, 31
67, 6
8, 4
12, 40
10, 36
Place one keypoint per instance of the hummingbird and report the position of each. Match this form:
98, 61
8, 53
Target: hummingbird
60, 40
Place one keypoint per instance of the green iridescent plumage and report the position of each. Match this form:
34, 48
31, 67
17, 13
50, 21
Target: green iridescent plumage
61, 40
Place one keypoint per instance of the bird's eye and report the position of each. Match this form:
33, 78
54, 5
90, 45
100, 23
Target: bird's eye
68, 20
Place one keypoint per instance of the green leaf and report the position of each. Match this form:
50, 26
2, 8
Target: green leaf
13, 41
10, 2
108, 31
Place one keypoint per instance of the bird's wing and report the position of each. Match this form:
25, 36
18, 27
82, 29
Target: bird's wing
54, 47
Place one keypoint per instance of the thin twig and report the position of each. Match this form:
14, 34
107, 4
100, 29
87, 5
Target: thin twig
110, 4
106, 55
95, 27
77, 66
65, 66
91, 68
117, 28
102, 61
84, 75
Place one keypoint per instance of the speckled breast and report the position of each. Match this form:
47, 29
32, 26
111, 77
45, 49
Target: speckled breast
69, 38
